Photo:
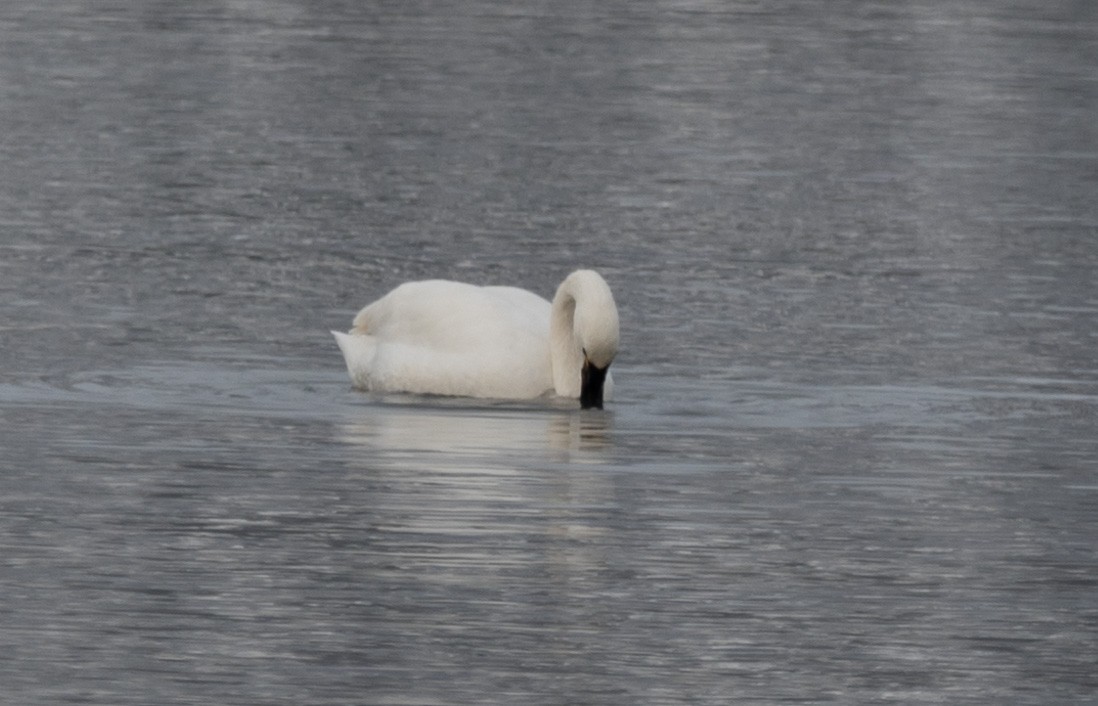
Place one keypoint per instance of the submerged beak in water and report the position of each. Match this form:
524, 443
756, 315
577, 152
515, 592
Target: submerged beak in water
592, 379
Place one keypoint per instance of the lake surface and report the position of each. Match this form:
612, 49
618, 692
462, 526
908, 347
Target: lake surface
853, 452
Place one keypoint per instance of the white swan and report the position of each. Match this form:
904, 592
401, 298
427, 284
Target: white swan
449, 338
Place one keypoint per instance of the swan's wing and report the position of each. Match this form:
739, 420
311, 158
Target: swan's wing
452, 338
522, 309
413, 312
454, 317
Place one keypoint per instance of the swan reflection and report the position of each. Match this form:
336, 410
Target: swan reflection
495, 474
481, 438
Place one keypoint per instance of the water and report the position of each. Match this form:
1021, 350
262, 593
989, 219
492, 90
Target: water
853, 452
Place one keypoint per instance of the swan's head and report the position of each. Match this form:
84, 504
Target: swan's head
594, 330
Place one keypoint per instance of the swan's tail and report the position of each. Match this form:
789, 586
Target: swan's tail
358, 352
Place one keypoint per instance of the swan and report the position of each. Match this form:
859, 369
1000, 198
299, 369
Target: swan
450, 338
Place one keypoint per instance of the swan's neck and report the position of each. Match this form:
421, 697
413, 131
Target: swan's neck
583, 323
565, 352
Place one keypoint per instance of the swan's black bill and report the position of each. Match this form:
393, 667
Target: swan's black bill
592, 381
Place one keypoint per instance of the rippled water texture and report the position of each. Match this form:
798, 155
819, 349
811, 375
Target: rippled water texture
852, 456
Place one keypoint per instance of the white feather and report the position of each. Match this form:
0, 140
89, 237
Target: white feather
450, 338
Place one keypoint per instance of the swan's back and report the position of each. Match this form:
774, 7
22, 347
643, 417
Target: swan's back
452, 338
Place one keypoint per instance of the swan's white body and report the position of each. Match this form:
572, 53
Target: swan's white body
448, 338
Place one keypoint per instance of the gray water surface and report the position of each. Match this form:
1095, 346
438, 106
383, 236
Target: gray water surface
853, 453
